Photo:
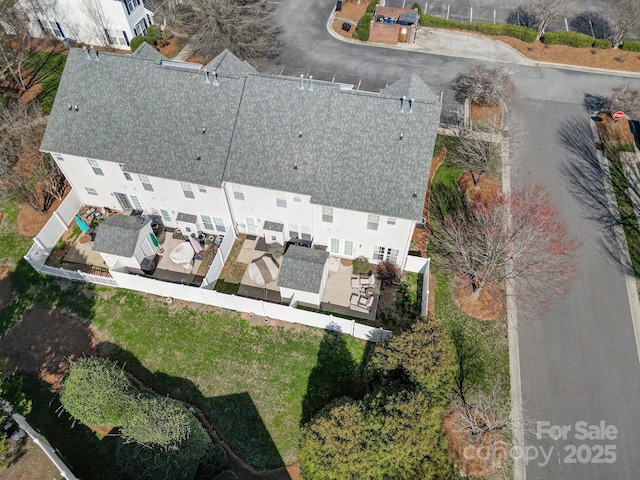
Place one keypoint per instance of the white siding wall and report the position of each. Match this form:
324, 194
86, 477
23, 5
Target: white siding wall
304, 297
166, 195
75, 22
347, 225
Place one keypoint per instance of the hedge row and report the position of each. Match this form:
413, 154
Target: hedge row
363, 27
522, 33
573, 39
631, 46
372, 6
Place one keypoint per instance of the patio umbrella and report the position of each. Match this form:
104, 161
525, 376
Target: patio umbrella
263, 270
83, 226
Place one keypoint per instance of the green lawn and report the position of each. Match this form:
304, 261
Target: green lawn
625, 205
13, 246
250, 379
47, 68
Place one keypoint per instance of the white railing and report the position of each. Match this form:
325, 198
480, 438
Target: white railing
416, 264
425, 289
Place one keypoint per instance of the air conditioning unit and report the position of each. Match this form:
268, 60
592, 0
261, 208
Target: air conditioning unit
422, 223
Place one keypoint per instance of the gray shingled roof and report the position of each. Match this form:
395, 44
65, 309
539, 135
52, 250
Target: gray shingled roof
149, 117
147, 52
302, 269
273, 226
118, 235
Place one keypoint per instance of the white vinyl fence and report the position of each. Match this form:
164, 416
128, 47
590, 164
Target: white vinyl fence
425, 289
53, 230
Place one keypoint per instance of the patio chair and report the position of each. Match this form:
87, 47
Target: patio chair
355, 282
367, 282
365, 301
354, 299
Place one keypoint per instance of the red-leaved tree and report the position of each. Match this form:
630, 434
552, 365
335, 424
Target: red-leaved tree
516, 237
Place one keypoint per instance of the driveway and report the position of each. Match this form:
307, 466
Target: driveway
579, 363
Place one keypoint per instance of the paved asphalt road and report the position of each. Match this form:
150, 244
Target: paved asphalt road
579, 363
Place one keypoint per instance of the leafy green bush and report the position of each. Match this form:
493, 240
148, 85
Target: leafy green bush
522, 33
98, 393
372, 6
157, 420
136, 42
572, 39
387, 272
214, 460
416, 6
363, 27
361, 266
152, 36
603, 44
631, 46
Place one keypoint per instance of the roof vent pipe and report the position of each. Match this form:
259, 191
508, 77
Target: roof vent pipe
300, 135
87, 52
402, 99
411, 105
198, 157
302, 81
311, 83
204, 130
401, 136
295, 166
95, 52
70, 107
215, 79
206, 76
76, 108
415, 194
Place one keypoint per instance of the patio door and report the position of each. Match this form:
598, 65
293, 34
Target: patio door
123, 200
251, 225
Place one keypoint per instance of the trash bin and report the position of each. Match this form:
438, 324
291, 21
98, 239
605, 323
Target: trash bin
346, 26
338, 5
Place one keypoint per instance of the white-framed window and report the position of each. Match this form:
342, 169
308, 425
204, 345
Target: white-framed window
166, 216
384, 253
127, 175
238, 193
91, 191
116, 37
202, 189
372, 222
219, 223
348, 248
186, 189
58, 157
52, 28
327, 214
294, 231
141, 28
334, 246
95, 167
206, 222
391, 221
281, 200
297, 231
136, 202
146, 184
297, 198
305, 233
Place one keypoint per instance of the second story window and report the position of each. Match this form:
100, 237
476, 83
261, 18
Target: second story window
146, 184
141, 28
95, 167
238, 194
186, 189
327, 214
127, 175
131, 5
281, 200
372, 222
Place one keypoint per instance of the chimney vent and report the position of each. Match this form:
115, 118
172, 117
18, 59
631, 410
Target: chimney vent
411, 105
311, 83
402, 104
302, 81
206, 76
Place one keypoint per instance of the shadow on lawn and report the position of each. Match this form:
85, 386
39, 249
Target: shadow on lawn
588, 181
231, 420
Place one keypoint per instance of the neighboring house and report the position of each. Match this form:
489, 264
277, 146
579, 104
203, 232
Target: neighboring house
224, 147
93, 22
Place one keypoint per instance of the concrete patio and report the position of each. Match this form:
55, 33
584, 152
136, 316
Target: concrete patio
337, 292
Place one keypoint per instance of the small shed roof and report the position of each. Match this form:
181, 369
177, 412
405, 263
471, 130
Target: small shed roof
118, 235
302, 269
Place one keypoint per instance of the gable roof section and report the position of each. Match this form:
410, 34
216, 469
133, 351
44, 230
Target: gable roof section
226, 63
147, 52
118, 235
302, 269
144, 115
149, 116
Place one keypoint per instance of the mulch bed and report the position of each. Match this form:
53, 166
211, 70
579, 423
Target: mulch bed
487, 306
612, 131
487, 189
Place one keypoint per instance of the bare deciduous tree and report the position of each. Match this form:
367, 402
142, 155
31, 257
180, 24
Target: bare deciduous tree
480, 413
483, 85
625, 16
479, 152
245, 27
625, 98
98, 21
546, 11
27, 175
515, 237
